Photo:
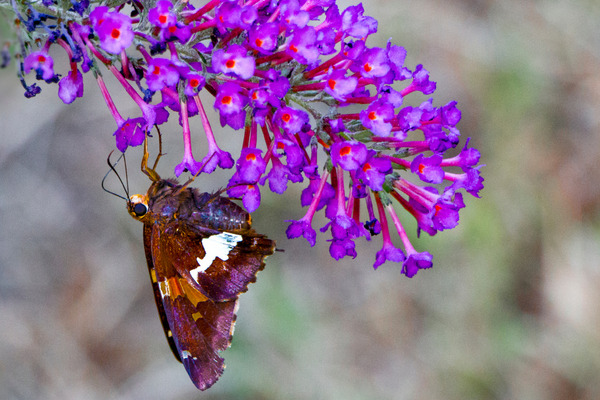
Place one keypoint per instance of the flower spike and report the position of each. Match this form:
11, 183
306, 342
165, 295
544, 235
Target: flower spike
313, 102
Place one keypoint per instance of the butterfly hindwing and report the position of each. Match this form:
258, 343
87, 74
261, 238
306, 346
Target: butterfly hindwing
197, 327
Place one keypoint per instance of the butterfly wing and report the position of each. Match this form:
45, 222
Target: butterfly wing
197, 275
220, 264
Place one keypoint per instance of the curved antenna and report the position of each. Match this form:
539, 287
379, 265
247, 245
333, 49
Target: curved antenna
112, 168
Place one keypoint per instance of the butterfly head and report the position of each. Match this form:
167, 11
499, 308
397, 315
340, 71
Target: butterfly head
137, 206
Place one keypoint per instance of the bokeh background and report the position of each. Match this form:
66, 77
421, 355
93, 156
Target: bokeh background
511, 309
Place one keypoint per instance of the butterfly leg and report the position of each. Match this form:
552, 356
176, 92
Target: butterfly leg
152, 174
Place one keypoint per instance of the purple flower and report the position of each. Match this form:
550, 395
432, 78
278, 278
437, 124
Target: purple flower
279, 175
294, 154
249, 193
349, 155
416, 261
377, 118
471, 181
113, 28
339, 85
327, 195
373, 63
409, 118
397, 56
161, 73
355, 24
444, 214
428, 168
161, 15
290, 119
188, 164
343, 226
326, 39
194, 84
250, 166
388, 252
374, 170
70, 86
263, 37
301, 228
42, 63
466, 159
180, 31
231, 102
450, 115
302, 47
230, 15
130, 133
234, 61
217, 157
279, 86
293, 16
389, 95
340, 248
420, 82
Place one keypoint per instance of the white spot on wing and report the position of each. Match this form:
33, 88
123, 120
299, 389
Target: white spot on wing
164, 289
215, 246
187, 354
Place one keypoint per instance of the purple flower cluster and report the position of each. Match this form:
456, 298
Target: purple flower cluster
290, 74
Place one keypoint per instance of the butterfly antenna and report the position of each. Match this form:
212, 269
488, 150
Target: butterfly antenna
112, 168
126, 175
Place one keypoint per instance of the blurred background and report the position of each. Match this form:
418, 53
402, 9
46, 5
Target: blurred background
509, 311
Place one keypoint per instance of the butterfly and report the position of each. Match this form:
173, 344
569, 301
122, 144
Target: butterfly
202, 253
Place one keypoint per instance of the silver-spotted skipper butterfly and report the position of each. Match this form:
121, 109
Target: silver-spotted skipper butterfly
202, 253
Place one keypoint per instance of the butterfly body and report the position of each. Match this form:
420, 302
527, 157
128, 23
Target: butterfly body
202, 254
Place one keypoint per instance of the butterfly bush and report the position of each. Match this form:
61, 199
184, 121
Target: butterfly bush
312, 101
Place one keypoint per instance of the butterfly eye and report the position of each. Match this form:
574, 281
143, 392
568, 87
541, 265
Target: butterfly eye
140, 209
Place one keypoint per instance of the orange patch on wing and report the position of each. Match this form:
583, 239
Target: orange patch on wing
192, 294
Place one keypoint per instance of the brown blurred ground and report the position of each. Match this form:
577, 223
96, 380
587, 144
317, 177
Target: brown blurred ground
510, 310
